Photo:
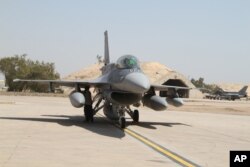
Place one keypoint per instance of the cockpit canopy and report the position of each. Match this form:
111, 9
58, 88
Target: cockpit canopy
128, 61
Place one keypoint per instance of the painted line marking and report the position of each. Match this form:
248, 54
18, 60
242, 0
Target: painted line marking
158, 148
171, 155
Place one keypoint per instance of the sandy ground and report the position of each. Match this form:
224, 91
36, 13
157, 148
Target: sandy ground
238, 107
48, 131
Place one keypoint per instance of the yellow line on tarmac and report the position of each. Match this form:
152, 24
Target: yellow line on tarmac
163, 151
173, 156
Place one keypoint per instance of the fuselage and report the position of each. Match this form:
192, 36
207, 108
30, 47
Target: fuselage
127, 83
232, 95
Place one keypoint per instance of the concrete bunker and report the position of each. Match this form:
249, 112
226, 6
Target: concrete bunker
184, 93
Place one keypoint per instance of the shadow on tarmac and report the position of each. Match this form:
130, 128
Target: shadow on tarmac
100, 126
152, 125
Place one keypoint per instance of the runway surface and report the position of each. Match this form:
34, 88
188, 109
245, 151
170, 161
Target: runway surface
48, 131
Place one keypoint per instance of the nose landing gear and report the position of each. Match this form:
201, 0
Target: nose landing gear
117, 113
133, 114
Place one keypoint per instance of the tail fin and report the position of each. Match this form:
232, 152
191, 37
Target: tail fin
106, 48
243, 90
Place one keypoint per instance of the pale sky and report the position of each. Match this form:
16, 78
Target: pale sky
209, 39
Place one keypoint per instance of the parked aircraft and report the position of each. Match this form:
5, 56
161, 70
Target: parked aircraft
121, 86
232, 95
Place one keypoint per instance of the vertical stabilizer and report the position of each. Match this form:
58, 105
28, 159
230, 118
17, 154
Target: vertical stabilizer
243, 90
106, 48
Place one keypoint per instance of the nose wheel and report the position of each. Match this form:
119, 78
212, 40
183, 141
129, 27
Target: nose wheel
135, 116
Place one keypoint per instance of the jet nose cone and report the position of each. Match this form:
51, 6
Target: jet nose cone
136, 83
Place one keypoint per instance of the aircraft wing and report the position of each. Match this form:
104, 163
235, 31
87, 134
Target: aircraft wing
167, 87
68, 83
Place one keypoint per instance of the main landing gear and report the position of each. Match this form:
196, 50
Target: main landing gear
122, 122
89, 114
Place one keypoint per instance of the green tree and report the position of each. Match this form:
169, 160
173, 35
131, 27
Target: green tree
23, 68
99, 59
205, 88
198, 83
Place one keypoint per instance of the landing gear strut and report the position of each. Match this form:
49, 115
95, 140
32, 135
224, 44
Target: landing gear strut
89, 114
133, 114
121, 114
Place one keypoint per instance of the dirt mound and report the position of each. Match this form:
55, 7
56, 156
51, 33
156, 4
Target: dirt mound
89, 72
93, 71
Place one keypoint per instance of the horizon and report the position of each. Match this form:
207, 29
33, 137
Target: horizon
188, 77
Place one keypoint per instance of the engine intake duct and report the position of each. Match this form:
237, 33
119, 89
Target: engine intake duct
123, 98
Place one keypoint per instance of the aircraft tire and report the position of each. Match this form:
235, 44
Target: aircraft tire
86, 115
89, 115
136, 116
122, 122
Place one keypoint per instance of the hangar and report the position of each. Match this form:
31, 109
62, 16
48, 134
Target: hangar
160, 74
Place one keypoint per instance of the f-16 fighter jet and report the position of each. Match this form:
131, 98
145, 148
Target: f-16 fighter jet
121, 86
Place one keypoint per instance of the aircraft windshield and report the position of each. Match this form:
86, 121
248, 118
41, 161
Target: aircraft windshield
127, 61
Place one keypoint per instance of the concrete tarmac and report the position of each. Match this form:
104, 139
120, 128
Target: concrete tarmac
48, 131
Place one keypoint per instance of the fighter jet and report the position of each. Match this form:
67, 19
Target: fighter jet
122, 85
232, 95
